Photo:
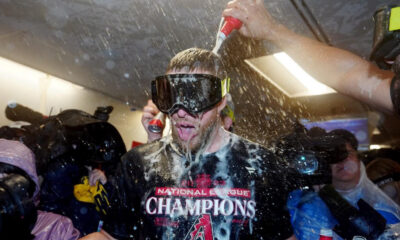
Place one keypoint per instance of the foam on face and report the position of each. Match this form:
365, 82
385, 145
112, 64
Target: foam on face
154, 158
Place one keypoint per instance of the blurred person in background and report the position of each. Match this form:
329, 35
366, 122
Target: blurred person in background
83, 151
19, 190
385, 173
350, 179
315, 209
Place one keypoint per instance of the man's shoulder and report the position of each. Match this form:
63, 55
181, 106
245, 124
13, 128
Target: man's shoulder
244, 145
147, 147
143, 150
253, 154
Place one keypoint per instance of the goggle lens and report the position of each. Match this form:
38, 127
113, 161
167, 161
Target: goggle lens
193, 92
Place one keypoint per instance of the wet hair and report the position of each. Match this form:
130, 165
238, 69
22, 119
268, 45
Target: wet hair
347, 136
196, 58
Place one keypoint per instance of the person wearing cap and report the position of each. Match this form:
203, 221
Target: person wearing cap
201, 182
151, 110
342, 70
79, 153
350, 179
309, 213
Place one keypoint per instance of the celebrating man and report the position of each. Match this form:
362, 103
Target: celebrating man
201, 182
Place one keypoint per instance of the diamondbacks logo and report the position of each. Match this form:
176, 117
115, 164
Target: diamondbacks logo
203, 181
201, 229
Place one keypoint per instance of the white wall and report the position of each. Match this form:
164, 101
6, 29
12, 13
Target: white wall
47, 94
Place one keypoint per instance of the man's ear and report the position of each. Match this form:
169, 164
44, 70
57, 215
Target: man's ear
221, 105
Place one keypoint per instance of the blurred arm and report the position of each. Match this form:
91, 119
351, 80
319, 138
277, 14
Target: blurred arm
345, 72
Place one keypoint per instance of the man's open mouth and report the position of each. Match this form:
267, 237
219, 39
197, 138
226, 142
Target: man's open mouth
186, 131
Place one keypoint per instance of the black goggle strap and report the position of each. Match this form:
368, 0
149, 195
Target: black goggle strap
395, 93
387, 179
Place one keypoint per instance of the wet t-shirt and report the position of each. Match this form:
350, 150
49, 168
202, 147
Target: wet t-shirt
237, 192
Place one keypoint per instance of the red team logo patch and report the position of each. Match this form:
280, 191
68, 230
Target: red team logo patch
201, 229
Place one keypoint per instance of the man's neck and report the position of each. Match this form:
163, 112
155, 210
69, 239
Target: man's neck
345, 185
218, 139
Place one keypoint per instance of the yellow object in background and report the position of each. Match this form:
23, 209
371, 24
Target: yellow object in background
92, 194
394, 23
225, 84
84, 192
101, 199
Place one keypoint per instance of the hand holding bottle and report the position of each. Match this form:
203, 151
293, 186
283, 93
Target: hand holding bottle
149, 113
257, 22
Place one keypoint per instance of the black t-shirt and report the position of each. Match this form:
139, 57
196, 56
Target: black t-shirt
237, 192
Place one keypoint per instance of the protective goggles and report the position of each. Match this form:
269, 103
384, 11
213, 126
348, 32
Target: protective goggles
195, 93
386, 44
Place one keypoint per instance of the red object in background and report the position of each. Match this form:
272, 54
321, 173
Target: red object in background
135, 144
230, 24
325, 238
156, 125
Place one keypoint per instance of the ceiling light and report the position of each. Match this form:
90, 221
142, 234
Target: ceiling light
285, 74
376, 146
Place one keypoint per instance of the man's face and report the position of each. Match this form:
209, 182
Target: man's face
190, 131
347, 170
193, 131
